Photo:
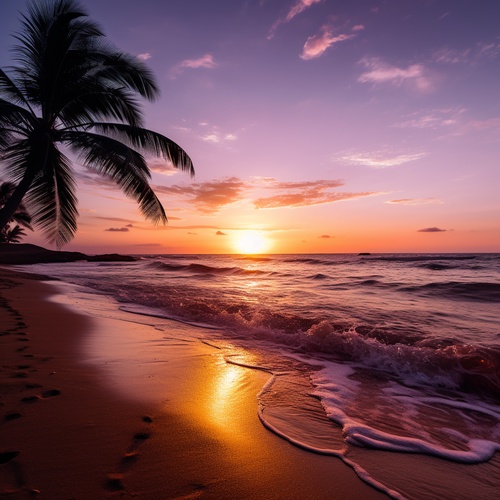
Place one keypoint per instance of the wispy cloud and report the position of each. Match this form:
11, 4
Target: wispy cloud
415, 76
298, 7
325, 237
117, 229
145, 56
303, 194
381, 159
112, 219
445, 55
205, 62
318, 44
161, 166
217, 137
432, 230
470, 55
434, 119
416, 201
209, 132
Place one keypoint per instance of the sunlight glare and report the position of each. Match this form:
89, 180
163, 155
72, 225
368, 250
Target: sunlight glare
251, 242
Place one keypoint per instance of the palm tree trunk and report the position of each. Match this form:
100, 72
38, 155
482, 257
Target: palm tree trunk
11, 205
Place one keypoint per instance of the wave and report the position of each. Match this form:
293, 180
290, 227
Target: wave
476, 291
421, 258
406, 354
202, 269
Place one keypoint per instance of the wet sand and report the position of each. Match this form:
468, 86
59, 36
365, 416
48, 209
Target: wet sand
100, 407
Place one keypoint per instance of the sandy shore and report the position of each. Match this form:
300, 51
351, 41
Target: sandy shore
97, 407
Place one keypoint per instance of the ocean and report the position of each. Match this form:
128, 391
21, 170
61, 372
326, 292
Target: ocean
376, 359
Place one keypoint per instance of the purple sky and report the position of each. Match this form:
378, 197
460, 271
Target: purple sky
326, 125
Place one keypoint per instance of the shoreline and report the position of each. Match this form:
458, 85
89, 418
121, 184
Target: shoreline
95, 407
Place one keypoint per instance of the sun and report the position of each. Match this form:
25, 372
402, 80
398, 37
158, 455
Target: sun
250, 242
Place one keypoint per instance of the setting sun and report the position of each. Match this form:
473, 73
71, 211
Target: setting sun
251, 242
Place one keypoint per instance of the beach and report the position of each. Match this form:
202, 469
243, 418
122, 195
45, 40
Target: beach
98, 407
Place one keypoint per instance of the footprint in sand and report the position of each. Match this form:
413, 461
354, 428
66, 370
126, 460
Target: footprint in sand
12, 416
114, 481
44, 395
7, 456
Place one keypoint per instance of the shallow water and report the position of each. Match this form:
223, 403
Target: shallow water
395, 353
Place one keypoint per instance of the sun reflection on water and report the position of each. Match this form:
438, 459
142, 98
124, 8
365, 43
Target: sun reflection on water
221, 405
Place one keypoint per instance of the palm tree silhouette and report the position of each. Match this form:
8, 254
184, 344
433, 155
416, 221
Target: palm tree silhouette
21, 217
73, 89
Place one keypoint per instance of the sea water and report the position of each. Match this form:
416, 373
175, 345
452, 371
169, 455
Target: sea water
374, 353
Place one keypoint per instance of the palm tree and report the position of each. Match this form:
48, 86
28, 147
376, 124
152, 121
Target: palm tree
21, 217
72, 89
12, 235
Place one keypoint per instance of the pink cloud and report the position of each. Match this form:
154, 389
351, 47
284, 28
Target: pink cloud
381, 159
161, 166
415, 75
302, 194
207, 61
204, 62
144, 57
208, 197
296, 9
317, 45
299, 7
415, 201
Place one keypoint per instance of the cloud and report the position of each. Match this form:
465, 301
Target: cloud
416, 201
117, 230
434, 119
415, 76
112, 219
298, 7
381, 159
204, 62
489, 50
317, 45
325, 236
218, 137
220, 233
211, 138
445, 55
208, 197
145, 56
161, 166
432, 230
469, 55
303, 194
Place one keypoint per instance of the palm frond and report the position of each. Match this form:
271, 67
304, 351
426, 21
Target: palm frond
120, 69
88, 104
121, 164
15, 118
53, 201
9, 90
150, 142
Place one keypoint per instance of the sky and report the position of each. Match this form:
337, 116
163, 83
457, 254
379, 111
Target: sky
315, 126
